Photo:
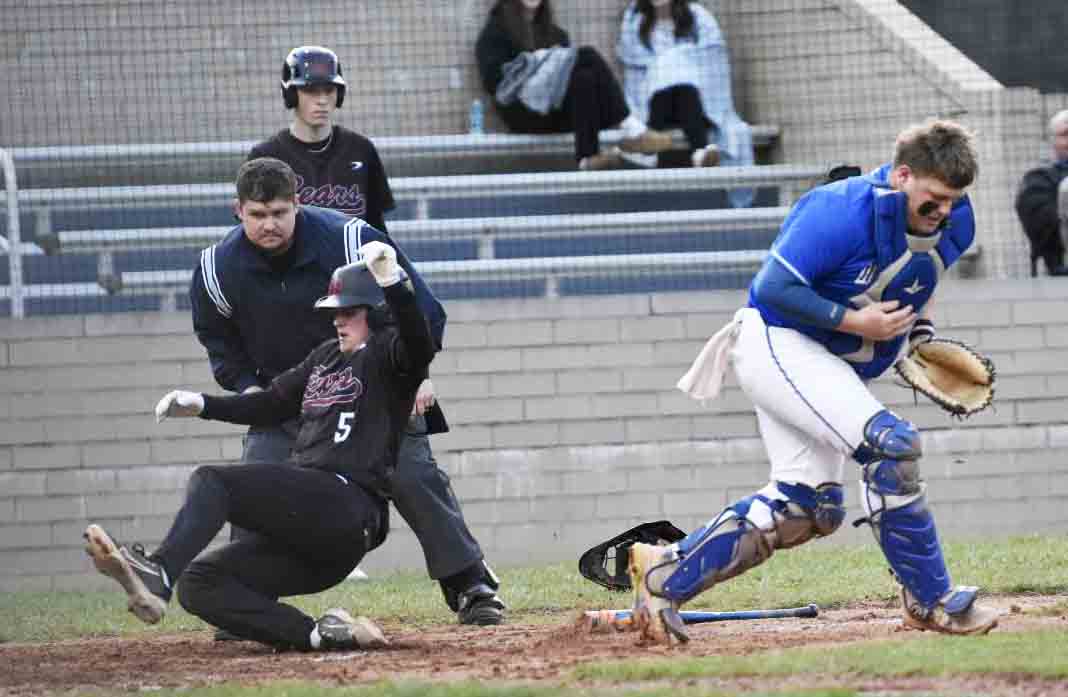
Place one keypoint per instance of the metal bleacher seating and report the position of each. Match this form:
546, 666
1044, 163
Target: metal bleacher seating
515, 234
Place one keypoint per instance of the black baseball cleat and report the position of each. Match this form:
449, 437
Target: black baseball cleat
338, 631
144, 580
224, 635
479, 605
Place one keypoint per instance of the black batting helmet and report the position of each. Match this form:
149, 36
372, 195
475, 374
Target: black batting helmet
310, 65
351, 285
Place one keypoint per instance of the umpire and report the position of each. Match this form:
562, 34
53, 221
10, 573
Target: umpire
252, 296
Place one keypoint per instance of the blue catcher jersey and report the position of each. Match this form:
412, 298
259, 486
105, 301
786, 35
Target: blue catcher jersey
849, 241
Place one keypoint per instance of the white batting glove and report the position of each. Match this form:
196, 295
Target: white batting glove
424, 398
382, 262
179, 403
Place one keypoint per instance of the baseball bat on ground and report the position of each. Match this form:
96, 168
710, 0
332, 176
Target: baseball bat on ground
600, 621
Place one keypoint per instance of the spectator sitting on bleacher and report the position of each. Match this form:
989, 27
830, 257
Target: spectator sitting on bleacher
541, 85
676, 72
1036, 203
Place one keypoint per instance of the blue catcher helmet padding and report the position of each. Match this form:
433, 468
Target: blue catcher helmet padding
311, 65
745, 534
894, 497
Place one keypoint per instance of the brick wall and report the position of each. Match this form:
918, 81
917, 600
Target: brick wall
567, 427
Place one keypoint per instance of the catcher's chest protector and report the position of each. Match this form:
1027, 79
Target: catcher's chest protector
910, 279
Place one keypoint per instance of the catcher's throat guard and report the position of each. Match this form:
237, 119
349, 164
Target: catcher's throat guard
606, 564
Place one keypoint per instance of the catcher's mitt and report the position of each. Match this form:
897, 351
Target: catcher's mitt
952, 374
606, 563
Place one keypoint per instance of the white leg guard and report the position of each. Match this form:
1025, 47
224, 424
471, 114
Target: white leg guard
779, 516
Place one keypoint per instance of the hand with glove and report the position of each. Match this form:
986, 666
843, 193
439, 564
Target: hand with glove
381, 262
179, 403
950, 373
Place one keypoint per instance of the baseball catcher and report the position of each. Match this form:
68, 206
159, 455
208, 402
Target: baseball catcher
851, 275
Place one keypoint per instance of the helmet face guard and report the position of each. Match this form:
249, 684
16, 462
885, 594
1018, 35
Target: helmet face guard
351, 285
311, 65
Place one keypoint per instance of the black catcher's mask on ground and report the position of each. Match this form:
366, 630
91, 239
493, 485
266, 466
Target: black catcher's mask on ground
606, 563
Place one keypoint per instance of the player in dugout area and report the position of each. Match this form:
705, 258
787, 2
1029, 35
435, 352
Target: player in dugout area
848, 284
314, 519
275, 264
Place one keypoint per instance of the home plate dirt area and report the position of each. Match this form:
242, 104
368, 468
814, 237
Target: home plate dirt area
542, 652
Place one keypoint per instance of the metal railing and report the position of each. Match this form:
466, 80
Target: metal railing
421, 189
387, 146
487, 229
550, 270
13, 243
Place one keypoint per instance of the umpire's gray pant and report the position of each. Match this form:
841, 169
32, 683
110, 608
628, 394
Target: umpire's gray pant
423, 495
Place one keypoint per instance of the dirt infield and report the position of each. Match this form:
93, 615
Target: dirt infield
517, 651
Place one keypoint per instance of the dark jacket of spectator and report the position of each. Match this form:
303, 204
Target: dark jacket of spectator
1036, 205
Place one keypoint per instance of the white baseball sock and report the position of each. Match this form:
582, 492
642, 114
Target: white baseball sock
632, 127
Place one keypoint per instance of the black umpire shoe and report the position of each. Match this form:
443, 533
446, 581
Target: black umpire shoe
144, 580
479, 605
338, 631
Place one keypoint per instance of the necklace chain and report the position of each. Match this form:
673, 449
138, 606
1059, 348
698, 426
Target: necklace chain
326, 145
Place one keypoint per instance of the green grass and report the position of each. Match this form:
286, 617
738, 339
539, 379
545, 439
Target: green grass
1034, 653
828, 575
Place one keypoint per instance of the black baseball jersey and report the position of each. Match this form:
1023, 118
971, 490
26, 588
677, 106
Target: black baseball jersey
346, 174
354, 408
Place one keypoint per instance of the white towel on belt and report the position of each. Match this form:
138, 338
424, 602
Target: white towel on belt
704, 379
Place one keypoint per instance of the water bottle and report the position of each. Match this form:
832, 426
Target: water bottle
476, 118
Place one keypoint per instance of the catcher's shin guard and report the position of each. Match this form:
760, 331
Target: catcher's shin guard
906, 533
910, 543
895, 502
779, 516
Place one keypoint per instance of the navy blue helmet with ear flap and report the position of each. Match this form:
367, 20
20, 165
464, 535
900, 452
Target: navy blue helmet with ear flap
311, 65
